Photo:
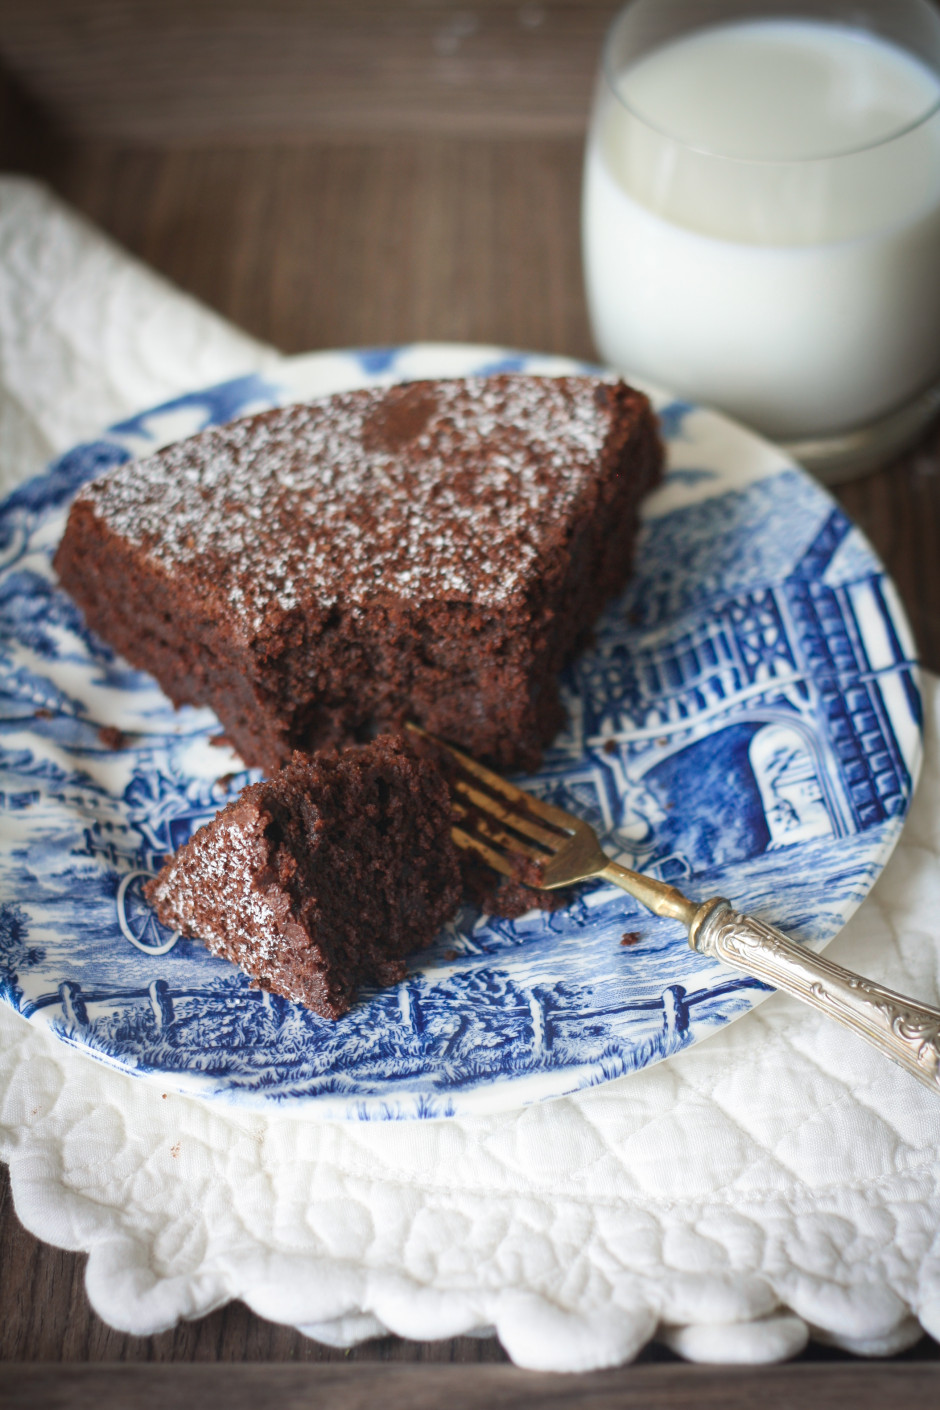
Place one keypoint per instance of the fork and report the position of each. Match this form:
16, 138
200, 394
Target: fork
545, 847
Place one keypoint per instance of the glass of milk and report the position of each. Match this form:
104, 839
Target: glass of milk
761, 218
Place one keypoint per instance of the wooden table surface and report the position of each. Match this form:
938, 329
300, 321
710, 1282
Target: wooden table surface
326, 176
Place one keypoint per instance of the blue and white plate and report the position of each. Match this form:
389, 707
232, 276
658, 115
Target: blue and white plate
747, 724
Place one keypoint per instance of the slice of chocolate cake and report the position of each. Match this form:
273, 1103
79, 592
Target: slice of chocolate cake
433, 551
322, 878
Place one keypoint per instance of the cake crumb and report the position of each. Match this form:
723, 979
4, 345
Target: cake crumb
631, 937
42, 713
610, 746
500, 896
111, 737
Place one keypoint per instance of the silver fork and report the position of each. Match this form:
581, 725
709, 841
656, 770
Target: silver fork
545, 847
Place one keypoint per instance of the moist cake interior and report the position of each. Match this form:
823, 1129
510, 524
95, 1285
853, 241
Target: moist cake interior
320, 572
323, 877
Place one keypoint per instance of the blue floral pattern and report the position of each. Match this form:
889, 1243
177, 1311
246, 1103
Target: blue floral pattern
746, 723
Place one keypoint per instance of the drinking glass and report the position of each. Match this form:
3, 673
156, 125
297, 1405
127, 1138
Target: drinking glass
761, 216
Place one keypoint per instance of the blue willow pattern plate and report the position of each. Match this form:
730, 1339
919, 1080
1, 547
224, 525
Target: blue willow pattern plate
747, 723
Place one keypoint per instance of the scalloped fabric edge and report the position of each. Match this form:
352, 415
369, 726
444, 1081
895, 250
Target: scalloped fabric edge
777, 1182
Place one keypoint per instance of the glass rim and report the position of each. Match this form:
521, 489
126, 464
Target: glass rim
894, 135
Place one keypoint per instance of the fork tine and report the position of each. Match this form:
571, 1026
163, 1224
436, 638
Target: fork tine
484, 826
573, 852
494, 859
486, 803
555, 817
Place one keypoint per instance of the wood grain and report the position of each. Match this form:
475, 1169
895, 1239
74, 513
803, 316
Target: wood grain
173, 71
253, 1387
366, 243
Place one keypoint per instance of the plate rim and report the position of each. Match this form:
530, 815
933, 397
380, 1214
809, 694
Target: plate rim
494, 1095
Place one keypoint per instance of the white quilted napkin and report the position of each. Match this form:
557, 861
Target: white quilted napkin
779, 1181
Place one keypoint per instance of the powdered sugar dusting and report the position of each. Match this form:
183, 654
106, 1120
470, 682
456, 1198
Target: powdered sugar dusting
224, 865
429, 490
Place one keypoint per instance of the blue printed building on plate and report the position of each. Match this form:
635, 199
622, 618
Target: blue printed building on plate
746, 723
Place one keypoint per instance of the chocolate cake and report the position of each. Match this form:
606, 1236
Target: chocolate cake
321, 878
318, 572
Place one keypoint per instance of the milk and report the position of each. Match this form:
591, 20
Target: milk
761, 223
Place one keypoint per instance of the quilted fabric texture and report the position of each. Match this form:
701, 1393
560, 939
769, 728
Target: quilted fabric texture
778, 1181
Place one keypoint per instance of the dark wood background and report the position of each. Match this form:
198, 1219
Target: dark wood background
331, 175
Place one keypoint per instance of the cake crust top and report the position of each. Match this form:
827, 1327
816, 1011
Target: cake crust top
430, 490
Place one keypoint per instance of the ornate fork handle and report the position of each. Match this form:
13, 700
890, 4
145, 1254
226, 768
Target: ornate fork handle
905, 1031
506, 827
